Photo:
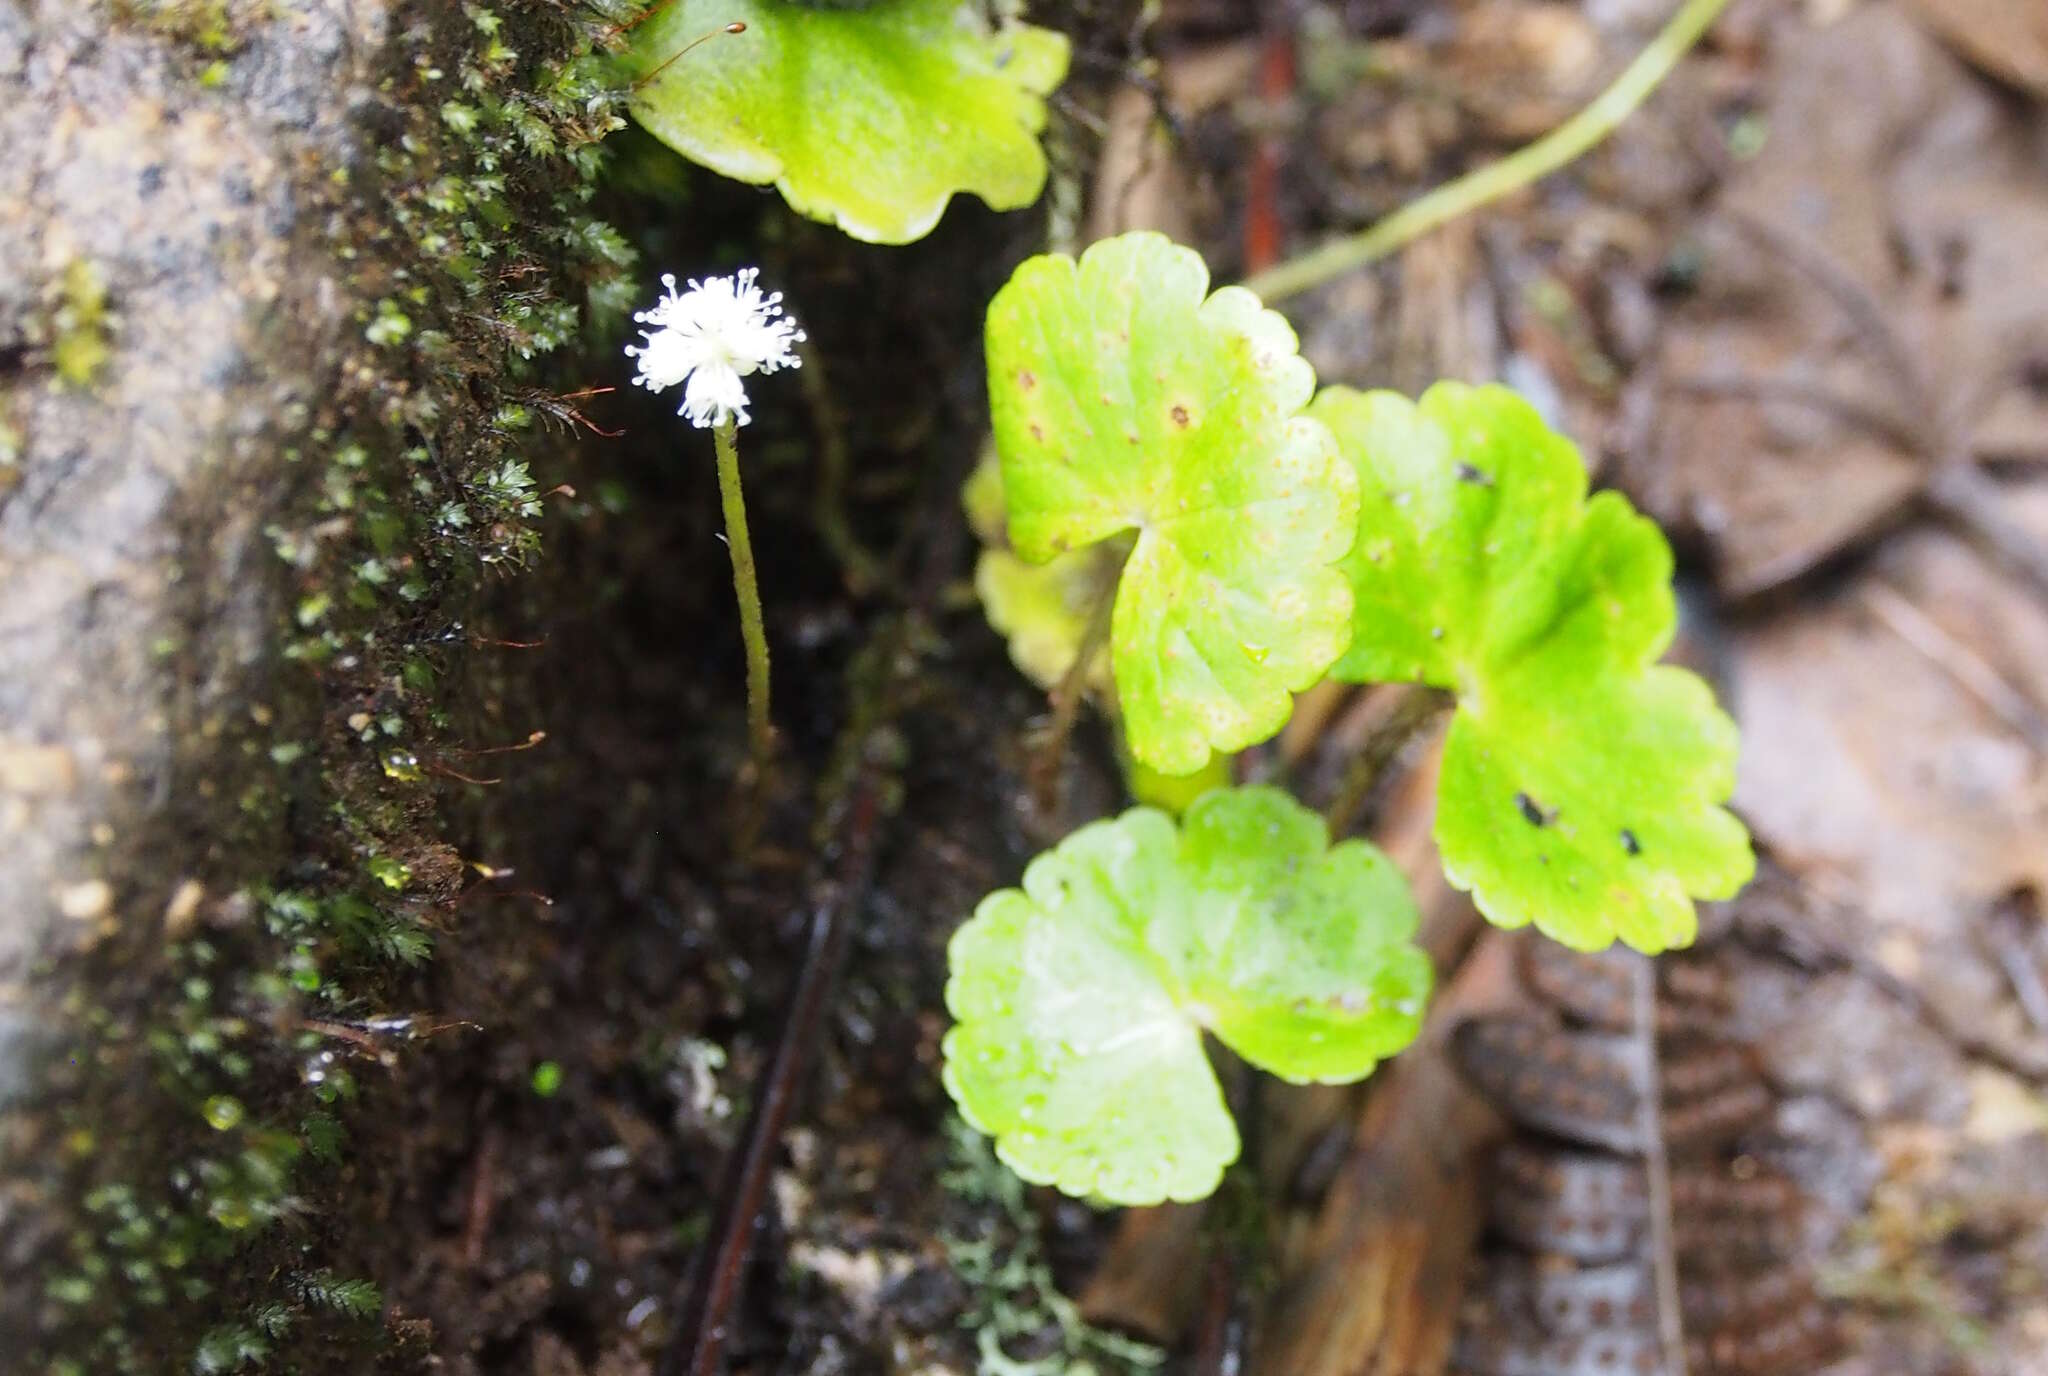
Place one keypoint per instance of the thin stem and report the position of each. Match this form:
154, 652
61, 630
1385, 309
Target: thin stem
760, 731
1511, 173
1066, 697
1657, 1166
863, 571
1407, 718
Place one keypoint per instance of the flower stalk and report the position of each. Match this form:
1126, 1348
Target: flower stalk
760, 730
708, 340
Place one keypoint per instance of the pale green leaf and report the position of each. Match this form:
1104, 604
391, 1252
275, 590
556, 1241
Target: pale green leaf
1042, 610
869, 118
1080, 1000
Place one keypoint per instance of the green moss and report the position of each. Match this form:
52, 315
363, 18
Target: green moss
211, 26
78, 326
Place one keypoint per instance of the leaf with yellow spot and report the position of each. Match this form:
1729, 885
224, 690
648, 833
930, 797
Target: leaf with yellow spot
1130, 404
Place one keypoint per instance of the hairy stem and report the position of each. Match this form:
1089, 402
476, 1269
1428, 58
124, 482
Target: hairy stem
1509, 174
760, 731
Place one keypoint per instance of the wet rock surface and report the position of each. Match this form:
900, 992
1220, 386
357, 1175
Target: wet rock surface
164, 317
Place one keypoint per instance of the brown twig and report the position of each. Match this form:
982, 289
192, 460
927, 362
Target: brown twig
705, 1321
1959, 662
1264, 233
1066, 698
1965, 498
1872, 417
1417, 707
2013, 935
483, 1199
1222, 1330
1657, 1167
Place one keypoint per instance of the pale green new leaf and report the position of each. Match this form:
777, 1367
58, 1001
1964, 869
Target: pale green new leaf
1582, 787
1080, 1000
1127, 403
870, 118
1042, 610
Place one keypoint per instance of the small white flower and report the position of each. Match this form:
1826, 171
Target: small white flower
709, 337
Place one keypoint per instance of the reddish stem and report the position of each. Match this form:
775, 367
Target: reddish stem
1264, 234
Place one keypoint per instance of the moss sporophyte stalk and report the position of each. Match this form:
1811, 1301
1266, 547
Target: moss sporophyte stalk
709, 340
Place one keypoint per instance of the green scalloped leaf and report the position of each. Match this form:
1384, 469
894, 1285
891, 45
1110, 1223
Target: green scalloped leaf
870, 119
1126, 405
1582, 784
1080, 1000
1591, 806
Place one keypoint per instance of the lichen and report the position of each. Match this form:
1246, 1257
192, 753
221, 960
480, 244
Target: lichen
1012, 1300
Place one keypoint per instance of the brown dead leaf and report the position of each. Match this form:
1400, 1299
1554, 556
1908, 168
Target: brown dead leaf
2007, 38
1791, 426
1522, 67
1864, 759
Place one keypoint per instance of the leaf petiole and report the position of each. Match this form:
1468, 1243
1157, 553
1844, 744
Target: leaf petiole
1523, 167
1067, 694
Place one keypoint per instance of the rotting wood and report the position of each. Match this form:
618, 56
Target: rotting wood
1374, 1284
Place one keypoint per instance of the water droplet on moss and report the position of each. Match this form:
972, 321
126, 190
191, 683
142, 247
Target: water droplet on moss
222, 1112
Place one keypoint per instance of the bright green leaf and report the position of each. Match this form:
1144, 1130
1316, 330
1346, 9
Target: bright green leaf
870, 119
1591, 806
1127, 406
1582, 786
1080, 999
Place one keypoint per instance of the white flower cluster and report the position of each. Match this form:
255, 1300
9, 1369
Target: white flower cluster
719, 331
